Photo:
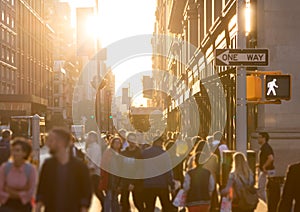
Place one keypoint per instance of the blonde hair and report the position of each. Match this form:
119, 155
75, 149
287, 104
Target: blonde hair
240, 166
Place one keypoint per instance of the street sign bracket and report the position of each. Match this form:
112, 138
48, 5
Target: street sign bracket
264, 102
265, 72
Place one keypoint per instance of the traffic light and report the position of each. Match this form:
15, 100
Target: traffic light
277, 87
92, 116
254, 91
110, 116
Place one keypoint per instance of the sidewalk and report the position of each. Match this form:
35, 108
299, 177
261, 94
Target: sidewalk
95, 207
261, 207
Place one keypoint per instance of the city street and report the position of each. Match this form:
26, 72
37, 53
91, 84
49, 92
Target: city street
203, 94
95, 207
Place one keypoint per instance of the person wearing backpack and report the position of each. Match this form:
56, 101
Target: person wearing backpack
5, 145
199, 184
17, 179
241, 182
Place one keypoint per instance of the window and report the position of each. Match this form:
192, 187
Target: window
7, 37
3, 15
56, 102
56, 89
7, 55
13, 58
2, 52
12, 23
3, 72
7, 73
7, 20
12, 40
12, 2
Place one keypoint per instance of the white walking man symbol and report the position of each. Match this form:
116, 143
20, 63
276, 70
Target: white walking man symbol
271, 87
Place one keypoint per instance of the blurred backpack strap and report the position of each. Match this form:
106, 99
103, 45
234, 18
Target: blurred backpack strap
27, 169
7, 168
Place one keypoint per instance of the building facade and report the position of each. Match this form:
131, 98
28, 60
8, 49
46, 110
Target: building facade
212, 24
66, 67
28, 89
8, 68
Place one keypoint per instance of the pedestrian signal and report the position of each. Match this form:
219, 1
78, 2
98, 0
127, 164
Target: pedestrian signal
254, 88
278, 87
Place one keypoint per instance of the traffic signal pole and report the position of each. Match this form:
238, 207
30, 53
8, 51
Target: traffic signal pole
241, 103
98, 94
36, 139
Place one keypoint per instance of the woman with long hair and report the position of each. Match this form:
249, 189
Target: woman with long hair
93, 159
109, 182
17, 179
240, 176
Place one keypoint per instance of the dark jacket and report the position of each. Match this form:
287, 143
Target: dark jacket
110, 163
291, 190
4, 150
265, 151
136, 154
159, 166
78, 188
199, 186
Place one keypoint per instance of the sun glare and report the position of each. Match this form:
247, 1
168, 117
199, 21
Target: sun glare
92, 26
248, 17
118, 20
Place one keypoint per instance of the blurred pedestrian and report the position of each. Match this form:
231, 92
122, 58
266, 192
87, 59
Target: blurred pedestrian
17, 179
217, 136
239, 177
177, 164
291, 190
130, 167
159, 185
5, 145
199, 184
266, 164
123, 134
75, 150
109, 181
93, 159
211, 164
64, 183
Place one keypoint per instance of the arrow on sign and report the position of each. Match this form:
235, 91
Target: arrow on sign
239, 57
227, 57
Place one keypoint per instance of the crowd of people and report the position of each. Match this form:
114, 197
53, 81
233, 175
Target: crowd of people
127, 163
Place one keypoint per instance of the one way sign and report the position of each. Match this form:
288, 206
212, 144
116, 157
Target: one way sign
242, 57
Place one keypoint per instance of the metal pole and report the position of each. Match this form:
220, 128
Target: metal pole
97, 45
98, 93
36, 139
241, 107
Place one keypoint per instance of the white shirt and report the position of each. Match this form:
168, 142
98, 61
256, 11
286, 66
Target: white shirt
93, 157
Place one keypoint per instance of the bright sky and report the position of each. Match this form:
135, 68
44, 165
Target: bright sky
120, 19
